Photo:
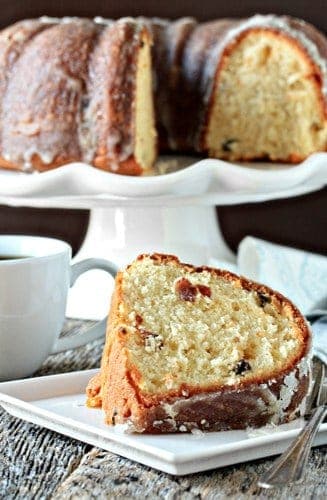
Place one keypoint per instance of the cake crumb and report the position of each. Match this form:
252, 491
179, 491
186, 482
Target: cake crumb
197, 433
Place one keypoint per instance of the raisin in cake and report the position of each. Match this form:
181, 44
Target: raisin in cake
199, 348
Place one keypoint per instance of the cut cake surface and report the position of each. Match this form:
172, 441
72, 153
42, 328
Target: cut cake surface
194, 347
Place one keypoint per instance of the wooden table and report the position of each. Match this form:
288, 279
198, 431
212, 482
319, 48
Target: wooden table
38, 463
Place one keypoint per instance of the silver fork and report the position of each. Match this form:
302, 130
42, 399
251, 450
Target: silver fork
290, 466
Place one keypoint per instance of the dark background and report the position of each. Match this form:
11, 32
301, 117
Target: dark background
300, 222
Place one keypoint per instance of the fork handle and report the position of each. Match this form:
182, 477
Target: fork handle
290, 466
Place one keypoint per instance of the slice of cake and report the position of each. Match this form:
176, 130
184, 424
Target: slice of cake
199, 348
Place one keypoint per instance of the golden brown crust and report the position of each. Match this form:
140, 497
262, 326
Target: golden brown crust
122, 398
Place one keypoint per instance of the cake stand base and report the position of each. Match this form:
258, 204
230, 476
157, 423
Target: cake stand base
120, 234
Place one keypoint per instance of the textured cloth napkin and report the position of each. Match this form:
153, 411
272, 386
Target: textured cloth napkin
300, 275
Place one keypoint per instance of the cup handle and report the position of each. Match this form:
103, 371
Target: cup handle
98, 330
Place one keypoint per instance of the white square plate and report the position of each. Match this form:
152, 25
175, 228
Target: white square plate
57, 402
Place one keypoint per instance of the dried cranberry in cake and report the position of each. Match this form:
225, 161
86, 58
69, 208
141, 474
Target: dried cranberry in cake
138, 319
204, 290
185, 290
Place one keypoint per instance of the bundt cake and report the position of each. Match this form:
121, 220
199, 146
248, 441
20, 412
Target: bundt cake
113, 93
199, 348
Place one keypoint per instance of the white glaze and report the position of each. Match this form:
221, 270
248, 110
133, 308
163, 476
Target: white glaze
280, 24
263, 21
275, 407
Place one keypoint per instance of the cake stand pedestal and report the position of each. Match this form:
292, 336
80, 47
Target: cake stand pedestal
120, 234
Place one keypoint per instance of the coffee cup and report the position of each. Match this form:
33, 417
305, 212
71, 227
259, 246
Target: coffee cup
35, 276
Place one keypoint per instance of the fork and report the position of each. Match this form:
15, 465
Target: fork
290, 466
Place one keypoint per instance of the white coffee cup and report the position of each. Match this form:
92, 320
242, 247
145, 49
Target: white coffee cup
33, 296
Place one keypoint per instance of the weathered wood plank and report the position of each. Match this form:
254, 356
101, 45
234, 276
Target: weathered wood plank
33, 461
103, 475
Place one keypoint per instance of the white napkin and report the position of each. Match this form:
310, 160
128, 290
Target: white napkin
301, 276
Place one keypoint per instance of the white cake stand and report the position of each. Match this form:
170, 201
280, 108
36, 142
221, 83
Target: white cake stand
172, 213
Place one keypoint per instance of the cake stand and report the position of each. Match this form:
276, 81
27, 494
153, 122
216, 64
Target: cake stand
173, 212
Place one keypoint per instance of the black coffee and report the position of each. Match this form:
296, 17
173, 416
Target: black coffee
14, 257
